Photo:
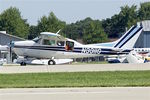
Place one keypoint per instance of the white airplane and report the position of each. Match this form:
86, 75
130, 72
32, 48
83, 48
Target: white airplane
134, 57
52, 45
142, 50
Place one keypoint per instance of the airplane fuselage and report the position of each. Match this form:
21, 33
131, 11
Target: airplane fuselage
50, 45
32, 49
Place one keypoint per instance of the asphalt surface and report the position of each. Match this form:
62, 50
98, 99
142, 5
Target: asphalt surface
100, 93
92, 93
74, 68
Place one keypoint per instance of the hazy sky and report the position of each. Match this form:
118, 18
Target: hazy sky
67, 10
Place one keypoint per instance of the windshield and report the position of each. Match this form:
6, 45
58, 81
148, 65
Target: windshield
37, 39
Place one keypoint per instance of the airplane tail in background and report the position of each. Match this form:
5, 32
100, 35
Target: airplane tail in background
129, 39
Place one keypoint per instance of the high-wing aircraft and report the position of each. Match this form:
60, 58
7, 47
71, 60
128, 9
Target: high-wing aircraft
52, 45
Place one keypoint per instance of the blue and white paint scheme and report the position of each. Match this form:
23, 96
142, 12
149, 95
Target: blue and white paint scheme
52, 45
127, 41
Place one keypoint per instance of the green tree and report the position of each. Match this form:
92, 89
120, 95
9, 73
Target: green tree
50, 24
129, 14
144, 11
94, 33
12, 22
33, 32
117, 24
90, 31
71, 31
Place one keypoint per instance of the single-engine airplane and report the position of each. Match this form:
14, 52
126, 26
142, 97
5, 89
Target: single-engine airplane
52, 45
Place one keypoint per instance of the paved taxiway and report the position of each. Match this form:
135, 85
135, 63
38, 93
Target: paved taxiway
103, 93
74, 68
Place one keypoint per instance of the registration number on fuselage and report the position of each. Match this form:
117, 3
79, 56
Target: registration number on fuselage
91, 50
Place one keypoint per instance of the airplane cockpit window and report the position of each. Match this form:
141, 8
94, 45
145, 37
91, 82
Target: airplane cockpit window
37, 39
60, 43
48, 42
69, 45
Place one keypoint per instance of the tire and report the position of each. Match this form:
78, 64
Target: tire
51, 62
23, 64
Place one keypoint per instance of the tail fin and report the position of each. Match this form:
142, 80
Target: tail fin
129, 38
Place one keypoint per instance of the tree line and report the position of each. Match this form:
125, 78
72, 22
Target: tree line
87, 30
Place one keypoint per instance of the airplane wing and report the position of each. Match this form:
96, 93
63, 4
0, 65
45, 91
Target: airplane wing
53, 35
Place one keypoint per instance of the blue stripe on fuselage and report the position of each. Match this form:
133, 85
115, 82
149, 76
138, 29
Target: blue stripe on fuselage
75, 50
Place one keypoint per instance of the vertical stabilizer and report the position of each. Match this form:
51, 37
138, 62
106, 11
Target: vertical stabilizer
129, 38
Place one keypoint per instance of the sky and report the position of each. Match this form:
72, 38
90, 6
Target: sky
67, 10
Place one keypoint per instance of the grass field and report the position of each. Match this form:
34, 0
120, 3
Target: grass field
76, 79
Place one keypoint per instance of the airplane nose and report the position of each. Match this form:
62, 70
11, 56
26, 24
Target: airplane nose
12, 43
16, 43
23, 43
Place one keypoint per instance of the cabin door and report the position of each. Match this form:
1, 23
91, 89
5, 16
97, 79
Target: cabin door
69, 46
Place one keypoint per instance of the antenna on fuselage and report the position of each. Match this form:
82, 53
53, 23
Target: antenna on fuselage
58, 31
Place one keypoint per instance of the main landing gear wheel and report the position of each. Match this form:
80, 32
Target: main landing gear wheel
23, 64
51, 62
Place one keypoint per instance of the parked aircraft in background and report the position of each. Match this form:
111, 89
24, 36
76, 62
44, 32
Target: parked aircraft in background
134, 56
137, 55
142, 50
116, 59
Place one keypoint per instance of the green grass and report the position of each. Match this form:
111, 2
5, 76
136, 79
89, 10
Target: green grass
76, 79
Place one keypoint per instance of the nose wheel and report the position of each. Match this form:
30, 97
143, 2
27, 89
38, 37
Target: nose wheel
51, 62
